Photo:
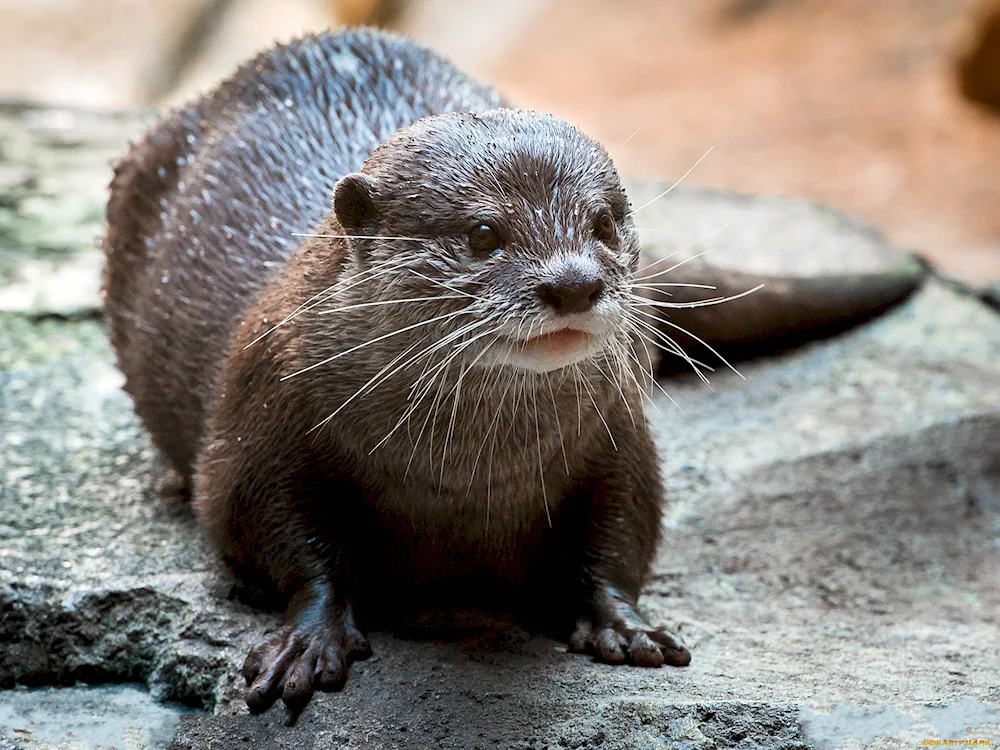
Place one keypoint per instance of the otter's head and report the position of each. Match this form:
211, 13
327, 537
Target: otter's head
521, 228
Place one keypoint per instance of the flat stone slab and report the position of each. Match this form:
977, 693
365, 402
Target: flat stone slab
830, 555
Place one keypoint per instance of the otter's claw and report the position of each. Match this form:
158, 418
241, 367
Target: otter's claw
299, 658
625, 638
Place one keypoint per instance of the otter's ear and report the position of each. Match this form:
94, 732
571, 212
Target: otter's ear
352, 202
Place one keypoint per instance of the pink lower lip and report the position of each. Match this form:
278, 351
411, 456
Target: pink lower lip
558, 342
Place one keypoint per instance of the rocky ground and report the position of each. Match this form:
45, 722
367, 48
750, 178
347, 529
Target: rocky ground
830, 552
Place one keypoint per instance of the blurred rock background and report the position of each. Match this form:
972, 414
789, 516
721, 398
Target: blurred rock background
889, 110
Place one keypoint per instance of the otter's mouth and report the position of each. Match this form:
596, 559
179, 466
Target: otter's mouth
552, 350
561, 343
547, 351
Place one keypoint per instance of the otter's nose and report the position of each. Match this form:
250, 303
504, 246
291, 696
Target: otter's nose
572, 292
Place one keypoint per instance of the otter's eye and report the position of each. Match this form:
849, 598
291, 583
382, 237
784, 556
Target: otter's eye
604, 227
485, 240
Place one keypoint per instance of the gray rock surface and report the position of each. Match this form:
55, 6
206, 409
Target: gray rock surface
830, 554
117, 716
55, 165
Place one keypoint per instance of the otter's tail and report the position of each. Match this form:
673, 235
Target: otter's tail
814, 273
783, 312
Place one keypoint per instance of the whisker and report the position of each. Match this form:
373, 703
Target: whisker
457, 334
621, 351
679, 181
457, 391
593, 401
359, 237
442, 369
495, 371
492, 429
387, 302
333, 289
668, 345
621, 392
627, 349
657, 284
555, 412
649, 374
449, 288
420, 435
620, 145
647, 276
430, 412
541, 466
421, 388
374, 341
362, 389
518, 378
426, 353
675, 266
696, 338
456, 351
577, 374
671, 347
639, 300
665, 230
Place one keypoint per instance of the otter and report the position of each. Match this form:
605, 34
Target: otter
426, 393
429, 400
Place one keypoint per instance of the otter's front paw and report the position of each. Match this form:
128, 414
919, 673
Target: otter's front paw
299, 658
617, 634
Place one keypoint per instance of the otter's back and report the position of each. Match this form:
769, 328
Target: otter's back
203, 207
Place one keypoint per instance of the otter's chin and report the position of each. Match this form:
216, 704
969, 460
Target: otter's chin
553, 351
